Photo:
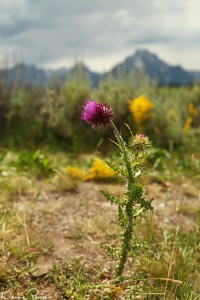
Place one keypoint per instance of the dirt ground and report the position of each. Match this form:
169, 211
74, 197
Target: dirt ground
76, 223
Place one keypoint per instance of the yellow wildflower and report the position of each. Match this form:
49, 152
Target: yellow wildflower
77, 173
192, 114
187, 125
192, 110
140, 109
100, 170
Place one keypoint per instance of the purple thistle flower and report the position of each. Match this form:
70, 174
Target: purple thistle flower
97, 113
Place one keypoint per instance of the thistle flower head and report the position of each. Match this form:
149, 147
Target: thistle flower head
97, 113
140, 141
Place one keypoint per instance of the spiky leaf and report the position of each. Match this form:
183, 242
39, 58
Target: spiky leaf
113, 199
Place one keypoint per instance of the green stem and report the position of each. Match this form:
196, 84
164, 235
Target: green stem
126, 245
124, 154
127, 235
118, 136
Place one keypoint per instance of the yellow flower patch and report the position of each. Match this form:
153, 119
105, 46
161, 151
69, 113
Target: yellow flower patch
192, 110
77, 173
192, 113
140, 109
98, 170
187, 125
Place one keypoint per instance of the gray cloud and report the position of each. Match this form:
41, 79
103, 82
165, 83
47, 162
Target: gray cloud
48, 31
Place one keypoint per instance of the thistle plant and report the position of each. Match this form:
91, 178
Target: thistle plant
132, 204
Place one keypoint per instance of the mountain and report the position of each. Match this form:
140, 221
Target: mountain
92, 76
29, 75
154, 68
196, 75
24, 75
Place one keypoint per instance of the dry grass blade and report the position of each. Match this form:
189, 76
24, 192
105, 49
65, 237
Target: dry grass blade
172, 261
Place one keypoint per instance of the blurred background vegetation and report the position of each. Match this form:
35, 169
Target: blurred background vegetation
37, 117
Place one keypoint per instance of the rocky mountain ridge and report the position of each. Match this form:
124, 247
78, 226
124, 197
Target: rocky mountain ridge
155, 68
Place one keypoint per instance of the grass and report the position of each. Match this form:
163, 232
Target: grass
52, 231
165, 270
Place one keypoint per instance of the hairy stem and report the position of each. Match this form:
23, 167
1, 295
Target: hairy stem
127, 235
126, 243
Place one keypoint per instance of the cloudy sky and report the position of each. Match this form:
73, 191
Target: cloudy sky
101, 33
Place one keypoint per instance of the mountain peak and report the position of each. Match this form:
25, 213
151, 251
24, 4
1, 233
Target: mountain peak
155, 68
148, 58
144, 53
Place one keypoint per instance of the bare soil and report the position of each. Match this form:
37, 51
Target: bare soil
76, 223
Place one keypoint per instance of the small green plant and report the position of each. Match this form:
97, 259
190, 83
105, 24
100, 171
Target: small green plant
133, 202
37, 161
